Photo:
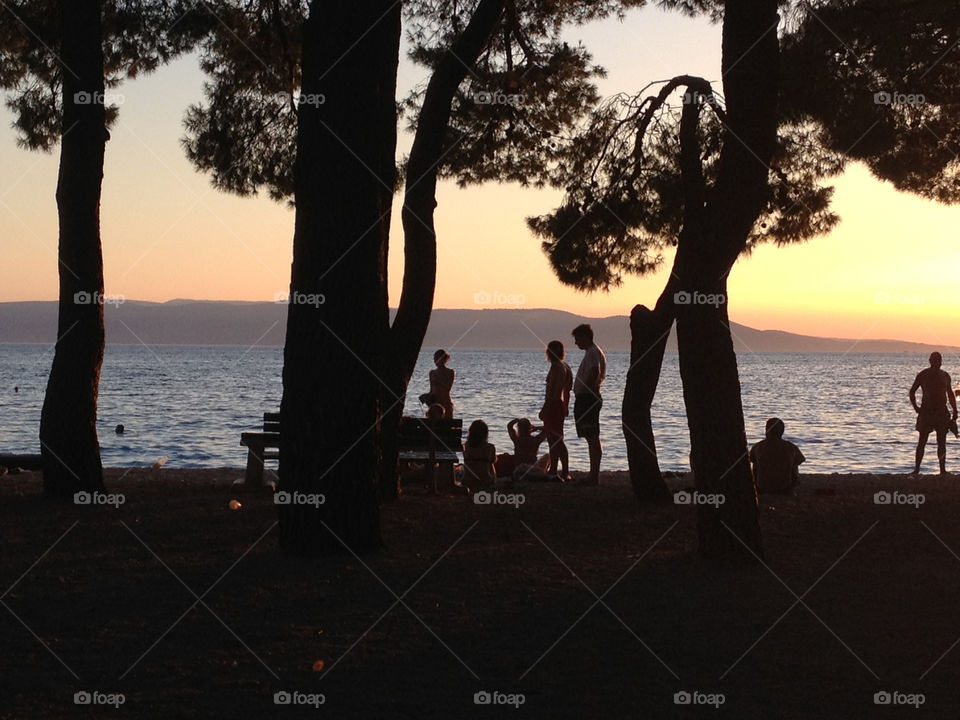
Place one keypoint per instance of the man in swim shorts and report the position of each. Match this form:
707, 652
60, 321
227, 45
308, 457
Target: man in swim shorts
933, 414
587, 400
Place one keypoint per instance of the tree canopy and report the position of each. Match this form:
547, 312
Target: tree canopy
526, 91
861, 81
138, 37
624, 201
882, 82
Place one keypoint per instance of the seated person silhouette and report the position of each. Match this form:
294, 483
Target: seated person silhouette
775, 461
524, 463
478, 458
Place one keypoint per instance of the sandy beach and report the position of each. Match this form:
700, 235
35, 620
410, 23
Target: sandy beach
573, 600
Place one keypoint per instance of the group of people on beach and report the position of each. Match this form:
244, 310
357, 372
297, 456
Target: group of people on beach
481, 463
774, 461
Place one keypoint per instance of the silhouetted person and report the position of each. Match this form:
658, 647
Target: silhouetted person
775, 461
587, 401
441, 382
932, 413
556, 407
478, 457
526, 448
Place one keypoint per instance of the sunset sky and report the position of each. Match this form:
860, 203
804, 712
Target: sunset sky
886, 272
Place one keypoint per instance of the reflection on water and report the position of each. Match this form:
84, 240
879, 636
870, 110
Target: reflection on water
191, 403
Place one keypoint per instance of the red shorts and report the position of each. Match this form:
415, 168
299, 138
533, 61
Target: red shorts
553, 416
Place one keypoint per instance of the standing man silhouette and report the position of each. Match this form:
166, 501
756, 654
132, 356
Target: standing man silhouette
932, 414
587, 401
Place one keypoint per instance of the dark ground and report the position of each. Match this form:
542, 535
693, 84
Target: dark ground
492, 599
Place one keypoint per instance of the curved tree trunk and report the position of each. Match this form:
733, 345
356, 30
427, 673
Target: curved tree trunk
420, 239
332, 375
708, 364
649, 330
68, 421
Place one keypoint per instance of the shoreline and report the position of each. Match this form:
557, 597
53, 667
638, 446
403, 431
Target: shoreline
228, 476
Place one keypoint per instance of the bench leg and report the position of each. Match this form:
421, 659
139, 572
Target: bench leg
444, 475
254, 476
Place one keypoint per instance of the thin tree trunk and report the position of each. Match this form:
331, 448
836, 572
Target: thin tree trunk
708, 364
68, 421
332, 377
649, 330
420, 239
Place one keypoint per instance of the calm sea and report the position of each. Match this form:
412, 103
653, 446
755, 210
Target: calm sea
849, 413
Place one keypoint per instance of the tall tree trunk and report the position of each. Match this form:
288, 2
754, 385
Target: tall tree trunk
420, 238
708, 364
68, 421
333, 375
649, 330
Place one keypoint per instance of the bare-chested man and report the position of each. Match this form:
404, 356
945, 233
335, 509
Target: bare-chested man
933, 414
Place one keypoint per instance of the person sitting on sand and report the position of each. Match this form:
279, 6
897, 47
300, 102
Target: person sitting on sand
524, 461
775, 461
556, 407
932, 414
478, 457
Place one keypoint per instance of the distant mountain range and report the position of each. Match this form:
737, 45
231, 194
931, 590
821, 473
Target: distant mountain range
198, 322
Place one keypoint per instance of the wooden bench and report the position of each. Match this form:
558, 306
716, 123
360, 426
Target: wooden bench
261, 446
419, 440
432, 442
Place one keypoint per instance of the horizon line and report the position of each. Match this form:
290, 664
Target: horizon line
626, 316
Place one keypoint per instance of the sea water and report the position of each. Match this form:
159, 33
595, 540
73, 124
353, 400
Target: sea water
848, 412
